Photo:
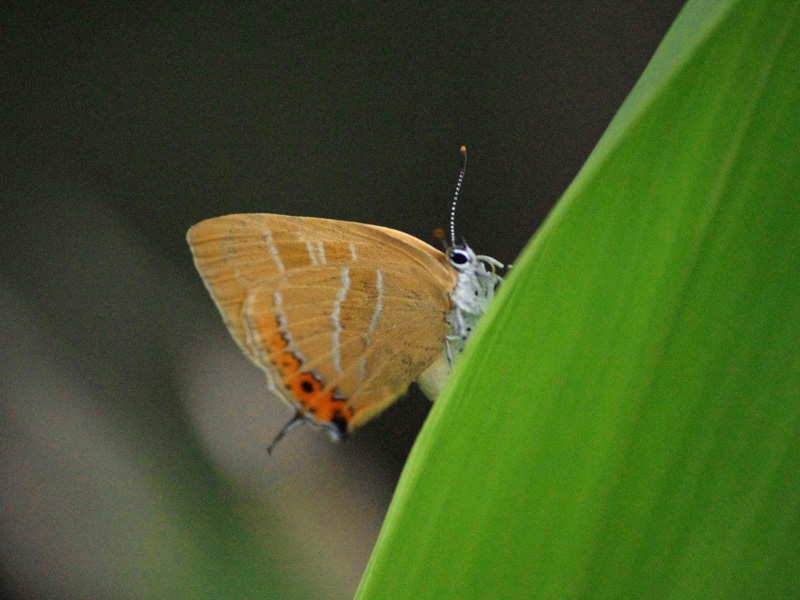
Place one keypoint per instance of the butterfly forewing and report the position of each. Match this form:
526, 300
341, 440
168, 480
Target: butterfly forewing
342, 316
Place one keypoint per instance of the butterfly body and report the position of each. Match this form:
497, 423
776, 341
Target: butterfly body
341, 316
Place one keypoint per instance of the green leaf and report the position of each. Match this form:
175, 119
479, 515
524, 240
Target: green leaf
626, 422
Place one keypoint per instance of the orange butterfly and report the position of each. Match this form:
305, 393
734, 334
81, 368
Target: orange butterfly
341, 316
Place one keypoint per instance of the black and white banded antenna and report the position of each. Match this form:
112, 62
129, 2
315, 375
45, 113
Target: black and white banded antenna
455, 196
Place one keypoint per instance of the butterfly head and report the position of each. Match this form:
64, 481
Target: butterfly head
464, 260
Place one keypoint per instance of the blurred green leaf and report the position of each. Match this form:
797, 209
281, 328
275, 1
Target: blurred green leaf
625, 424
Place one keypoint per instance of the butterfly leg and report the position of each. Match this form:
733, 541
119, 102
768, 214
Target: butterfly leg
454, 343
448, 350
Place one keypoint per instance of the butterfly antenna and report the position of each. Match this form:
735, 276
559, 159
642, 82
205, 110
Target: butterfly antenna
455, 196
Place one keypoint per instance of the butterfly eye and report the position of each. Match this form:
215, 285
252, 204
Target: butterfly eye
458, 257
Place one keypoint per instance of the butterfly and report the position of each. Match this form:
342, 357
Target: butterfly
342, 316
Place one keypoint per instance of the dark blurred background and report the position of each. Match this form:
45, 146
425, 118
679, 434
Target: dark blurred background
133, 431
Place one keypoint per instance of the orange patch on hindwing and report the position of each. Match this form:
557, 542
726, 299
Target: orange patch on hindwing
305, 387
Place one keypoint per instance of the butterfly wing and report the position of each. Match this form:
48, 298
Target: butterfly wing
341, 316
